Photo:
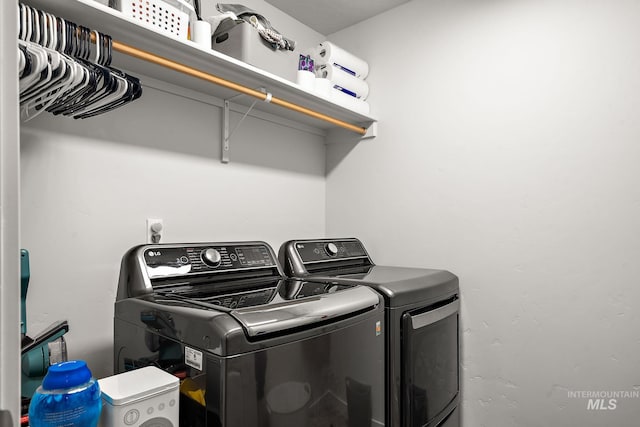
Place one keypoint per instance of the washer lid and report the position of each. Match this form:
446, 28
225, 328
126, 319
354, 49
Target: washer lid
135, 385
402, 285
305, 303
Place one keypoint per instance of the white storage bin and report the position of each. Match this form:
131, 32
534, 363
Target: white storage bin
170, 17
244, 43
146, 395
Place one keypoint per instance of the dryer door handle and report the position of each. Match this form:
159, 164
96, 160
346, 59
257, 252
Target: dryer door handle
430, 317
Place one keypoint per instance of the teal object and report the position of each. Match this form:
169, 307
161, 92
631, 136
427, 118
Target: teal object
69, 396
35, 361
36, 356
25, 274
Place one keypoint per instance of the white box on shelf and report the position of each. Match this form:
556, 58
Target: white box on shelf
244, 43
170, 17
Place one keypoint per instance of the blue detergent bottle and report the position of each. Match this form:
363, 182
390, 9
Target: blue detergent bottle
68, 396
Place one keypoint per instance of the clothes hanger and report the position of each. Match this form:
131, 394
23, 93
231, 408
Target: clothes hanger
36, 100
21, 62
106, 82
21, 21
130, 90
59, 72
127, 88
101, 80
40, 66
43, 84
48, 72
27, 34
40, 70
115, 86
55, 68
82, 77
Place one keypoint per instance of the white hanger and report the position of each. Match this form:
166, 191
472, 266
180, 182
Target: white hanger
41, 92
23, 22
22, 61
79, 83
39, 63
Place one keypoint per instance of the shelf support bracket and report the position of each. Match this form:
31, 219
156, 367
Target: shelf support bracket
226, 133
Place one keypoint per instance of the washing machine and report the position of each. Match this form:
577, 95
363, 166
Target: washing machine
422, 340
250, 347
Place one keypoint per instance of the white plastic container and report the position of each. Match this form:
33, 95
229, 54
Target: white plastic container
146, 395
244, 43
170, 17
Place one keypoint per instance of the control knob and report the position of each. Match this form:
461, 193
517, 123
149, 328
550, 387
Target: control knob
331, 249
211, 257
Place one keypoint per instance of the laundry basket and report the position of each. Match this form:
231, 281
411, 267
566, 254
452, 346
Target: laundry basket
170, 17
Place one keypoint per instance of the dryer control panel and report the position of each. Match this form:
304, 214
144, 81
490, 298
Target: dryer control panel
326, 250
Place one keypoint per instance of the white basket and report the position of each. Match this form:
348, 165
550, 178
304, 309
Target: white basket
169, 17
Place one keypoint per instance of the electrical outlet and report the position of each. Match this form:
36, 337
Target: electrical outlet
155, 230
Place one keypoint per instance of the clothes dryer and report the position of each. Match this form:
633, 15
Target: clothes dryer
422, 317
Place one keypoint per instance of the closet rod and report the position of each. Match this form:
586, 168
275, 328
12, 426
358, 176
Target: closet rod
185, 69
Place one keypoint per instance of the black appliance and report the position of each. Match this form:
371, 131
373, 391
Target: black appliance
422, 317
251, 347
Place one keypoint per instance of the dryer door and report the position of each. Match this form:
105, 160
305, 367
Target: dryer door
430, 360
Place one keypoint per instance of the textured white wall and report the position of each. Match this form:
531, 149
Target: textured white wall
508, 153
88, 187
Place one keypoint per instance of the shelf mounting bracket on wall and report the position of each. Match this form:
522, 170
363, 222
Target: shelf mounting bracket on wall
226, 133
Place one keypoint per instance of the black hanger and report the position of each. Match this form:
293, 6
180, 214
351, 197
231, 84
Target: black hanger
67, 80
27, 61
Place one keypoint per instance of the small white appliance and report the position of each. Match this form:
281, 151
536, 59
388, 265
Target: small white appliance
143, 397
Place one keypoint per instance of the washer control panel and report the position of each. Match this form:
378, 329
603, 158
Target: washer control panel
327, 250
168, 260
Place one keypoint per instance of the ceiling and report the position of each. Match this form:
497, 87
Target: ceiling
329, 16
